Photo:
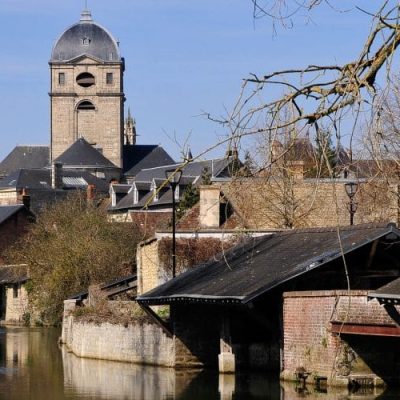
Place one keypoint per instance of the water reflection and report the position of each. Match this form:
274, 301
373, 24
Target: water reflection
33, 367
114, 380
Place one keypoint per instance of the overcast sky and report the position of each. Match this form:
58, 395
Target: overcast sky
182, 58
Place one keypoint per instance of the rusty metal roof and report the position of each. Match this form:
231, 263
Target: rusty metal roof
253, 268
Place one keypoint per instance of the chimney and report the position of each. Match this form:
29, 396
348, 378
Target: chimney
209, 206
90, 192
56, 175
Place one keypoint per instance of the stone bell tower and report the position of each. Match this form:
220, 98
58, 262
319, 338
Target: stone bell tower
86, 90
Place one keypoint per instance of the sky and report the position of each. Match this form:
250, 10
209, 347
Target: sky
183, 58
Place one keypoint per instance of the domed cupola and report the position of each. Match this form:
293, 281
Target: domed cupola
85, 38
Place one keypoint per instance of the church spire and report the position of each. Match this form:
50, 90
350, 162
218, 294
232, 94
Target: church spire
129, 130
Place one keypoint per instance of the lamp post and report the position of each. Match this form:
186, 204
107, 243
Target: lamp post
351, 190
173, 177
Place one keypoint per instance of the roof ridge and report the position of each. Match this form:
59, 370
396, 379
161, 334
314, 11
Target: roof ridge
364, 226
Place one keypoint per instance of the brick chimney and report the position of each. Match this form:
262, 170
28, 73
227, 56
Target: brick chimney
90, 192
209, 206
56, 175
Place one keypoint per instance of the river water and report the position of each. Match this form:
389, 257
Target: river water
33, 367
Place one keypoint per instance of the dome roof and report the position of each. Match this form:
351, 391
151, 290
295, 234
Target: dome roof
86, 38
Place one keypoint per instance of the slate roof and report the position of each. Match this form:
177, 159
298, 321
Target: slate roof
387, 294
25, 157
83, 154
10, 274
253, 268
100, 42
140, 156
217, 168
8, 211
40, 179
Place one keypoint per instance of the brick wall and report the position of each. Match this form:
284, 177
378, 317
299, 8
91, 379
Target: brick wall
309, 343
11, 230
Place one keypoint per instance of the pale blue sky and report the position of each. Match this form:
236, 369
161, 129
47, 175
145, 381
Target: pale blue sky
182, 57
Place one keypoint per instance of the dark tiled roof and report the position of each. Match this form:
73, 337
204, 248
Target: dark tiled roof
40, 179
384, 294
81, 153
8, 211
100, 45
217, 167
25, 157
257, 266
139, 156
13, 274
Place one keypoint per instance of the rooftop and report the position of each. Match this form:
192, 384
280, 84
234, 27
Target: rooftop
258, 265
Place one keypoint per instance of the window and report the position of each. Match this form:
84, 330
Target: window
85, 79
61, 78
15, 290
85, 41
109, 78
86, 105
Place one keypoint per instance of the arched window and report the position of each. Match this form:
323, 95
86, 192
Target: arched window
86, 105
85, 79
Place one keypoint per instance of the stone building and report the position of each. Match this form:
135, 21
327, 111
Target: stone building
287, 302
86, 93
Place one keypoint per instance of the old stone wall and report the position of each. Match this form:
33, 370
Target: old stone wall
275, 204
136, 343
148, 266
16, 303
310, 345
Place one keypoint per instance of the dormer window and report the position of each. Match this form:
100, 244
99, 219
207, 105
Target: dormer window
153, 188
135, 196
86, 41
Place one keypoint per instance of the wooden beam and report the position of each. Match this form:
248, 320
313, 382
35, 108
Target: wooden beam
371, 330
163, 325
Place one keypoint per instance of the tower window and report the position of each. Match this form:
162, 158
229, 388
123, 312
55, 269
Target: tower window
61, 78
86, 105
109, 78
85, 79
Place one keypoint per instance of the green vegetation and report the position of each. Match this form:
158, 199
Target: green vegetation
72, 246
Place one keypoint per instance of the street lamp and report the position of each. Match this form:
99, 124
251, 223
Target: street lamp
173, 177
351, 190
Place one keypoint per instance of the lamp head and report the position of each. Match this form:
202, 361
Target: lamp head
351, 189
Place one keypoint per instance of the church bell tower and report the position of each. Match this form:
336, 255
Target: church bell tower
86, 90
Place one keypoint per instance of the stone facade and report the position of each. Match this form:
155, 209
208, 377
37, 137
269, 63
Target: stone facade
101, 126
140, 343
16, 305
310, 344
276, 204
